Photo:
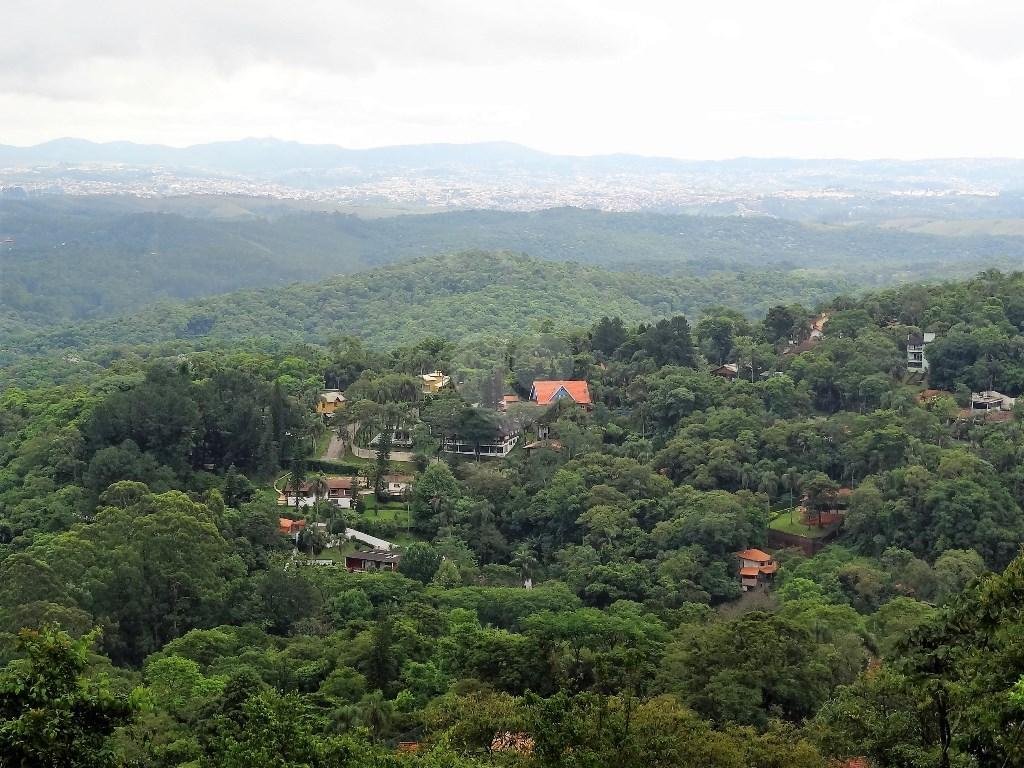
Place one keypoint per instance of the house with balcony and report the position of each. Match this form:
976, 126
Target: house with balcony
499, 446
757, 569
916, 360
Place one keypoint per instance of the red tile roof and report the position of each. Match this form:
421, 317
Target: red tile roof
749, 571
754, 554
544, 392
287, 525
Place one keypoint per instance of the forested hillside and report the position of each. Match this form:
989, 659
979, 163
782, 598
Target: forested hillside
458, 297
584, 600
77, 258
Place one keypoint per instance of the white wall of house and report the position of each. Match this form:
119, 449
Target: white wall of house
344, 502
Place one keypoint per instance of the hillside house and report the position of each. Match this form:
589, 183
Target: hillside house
916, 343
728, 371
374, 560
329, 401
549, 392
339, 492
432, 383
990, 400
396, 486
498, 446
401, 438
757, 569
289, 527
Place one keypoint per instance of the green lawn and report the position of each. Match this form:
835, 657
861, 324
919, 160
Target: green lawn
782, 523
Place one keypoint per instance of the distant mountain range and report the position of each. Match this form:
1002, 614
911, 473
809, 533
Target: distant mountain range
269, 158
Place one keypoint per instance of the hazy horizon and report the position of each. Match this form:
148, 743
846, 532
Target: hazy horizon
506, 142
919, 79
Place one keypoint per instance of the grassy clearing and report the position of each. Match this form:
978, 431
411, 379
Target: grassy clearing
787, 523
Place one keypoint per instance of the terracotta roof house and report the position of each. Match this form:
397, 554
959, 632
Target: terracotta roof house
757, 569
551, 391
290, 527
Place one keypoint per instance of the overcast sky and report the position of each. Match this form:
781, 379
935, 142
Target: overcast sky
815, 78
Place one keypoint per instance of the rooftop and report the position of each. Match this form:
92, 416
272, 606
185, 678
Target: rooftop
754, 554
548, 391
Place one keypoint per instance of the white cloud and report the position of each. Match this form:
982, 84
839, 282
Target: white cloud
905, 78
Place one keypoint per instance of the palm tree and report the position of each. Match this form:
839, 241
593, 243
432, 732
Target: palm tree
320, 488
524, 560
376, 714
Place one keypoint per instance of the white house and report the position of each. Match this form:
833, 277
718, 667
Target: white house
397, 486
498, 446
916, 342
338, 492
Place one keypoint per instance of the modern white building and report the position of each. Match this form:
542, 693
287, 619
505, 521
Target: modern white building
497, 447
916, 342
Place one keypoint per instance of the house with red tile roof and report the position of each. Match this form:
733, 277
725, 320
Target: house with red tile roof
757, 569
290, 527
549, 392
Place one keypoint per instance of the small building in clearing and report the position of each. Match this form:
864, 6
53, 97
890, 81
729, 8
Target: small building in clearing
374, 560
757, 569
329, 401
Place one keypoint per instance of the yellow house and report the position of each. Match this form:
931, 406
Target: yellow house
329, 401
434, 382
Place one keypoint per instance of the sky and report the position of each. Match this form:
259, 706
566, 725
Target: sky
701, 80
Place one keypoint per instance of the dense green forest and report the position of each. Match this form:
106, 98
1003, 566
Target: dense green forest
70, 259
460, 296
152, 614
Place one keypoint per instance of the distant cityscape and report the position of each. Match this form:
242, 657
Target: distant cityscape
511, 191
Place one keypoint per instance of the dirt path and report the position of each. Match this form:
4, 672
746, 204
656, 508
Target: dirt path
335, 449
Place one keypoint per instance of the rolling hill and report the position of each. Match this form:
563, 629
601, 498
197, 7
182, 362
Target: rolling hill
66, 259
457, 296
